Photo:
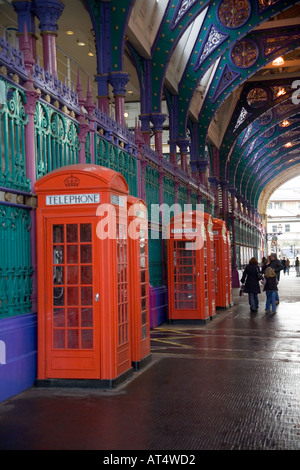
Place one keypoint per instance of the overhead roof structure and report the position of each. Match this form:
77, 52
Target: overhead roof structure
211, 61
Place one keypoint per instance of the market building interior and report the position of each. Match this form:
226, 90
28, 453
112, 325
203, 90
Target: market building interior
173, 107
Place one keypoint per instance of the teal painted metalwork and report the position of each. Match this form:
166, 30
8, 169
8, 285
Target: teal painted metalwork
111, 156
155, 243
15, 261
152, 193
12, 139
56, 140
182, 197
155, 258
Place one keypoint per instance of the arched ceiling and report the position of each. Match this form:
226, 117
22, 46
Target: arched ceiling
214, 58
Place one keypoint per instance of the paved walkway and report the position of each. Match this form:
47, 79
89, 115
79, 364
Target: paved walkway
233, 384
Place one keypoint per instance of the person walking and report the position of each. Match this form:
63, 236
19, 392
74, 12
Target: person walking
270, 287
276, 265
297, 266
251, 277
288, 266
283, 262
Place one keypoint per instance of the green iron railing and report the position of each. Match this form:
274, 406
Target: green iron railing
15, 261
56, 140
109, 155
12, 139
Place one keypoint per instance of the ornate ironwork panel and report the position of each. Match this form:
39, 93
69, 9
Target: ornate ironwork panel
109, 155
15, 261
56, 140
12, 139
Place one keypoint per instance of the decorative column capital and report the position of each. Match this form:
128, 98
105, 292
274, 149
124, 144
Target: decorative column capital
48, 12
158, 120
213, 181
202, 165
118, 80
183, 145
23, 9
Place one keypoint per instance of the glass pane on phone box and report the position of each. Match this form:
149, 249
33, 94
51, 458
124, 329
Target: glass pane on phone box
87, 317
72, 295
73, 339
85, 233
86, 339
58, 317
58, 254
59, 339
72, 254
58, 296
72, 233
73, 317
86, 274
85, 253
58, 233
86, 295
58, 275
72, 274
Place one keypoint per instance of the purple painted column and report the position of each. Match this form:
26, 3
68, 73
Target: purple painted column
84, 126
48, 12
32, 95
119, 81
157, 120
214, 184
235, 274
173, 154
202, 167
25, 17
224, 186
145, 127
103, 98
183, 146
90, 107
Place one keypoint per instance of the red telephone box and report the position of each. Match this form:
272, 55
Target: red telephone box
221, 250
139, 281
187, 265
83, 314
211, 267
229, 269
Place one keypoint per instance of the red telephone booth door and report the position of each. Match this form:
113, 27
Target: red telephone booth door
72, 295
187, 287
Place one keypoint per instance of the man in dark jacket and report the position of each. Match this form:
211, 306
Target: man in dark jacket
251, 277
276, 265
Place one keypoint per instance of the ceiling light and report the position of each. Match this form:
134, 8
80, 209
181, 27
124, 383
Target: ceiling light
289, 144
69, 33
91, 54
130, 92
285, 123
281, 92
125, 114
80, 43
277, 62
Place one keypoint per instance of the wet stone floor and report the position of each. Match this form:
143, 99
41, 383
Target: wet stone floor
232, 384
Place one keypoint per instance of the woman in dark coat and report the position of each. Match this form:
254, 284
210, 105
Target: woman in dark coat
251, 277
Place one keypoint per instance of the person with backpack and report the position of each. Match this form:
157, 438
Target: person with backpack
270, 287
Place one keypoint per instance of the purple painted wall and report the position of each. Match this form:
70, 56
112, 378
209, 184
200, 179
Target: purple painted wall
18, 354
158, 305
